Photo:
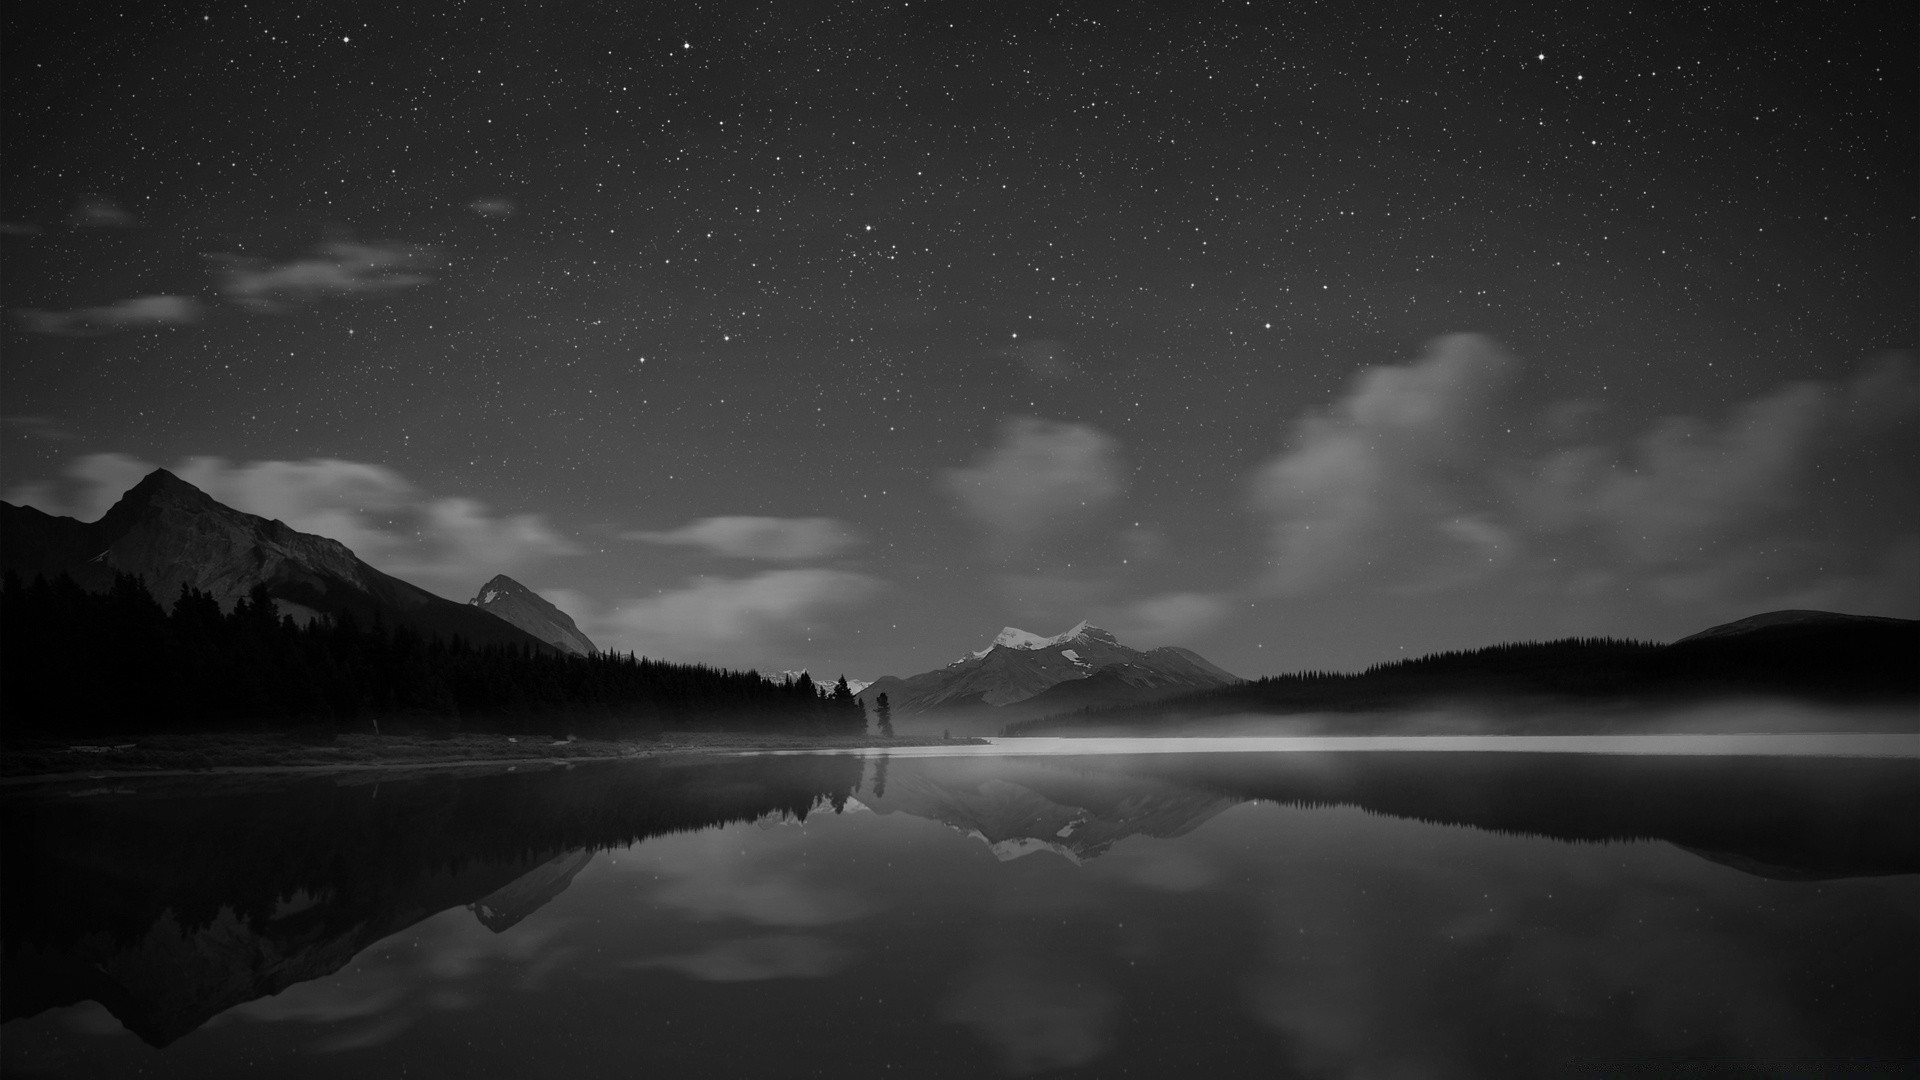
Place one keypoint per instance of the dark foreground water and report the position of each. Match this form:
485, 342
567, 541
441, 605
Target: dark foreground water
1376, 914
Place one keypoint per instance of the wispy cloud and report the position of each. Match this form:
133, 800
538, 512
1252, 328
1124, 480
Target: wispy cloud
731, 620
786, 539
100, 212
133, 314
1426, 476
336, 268
1042, 477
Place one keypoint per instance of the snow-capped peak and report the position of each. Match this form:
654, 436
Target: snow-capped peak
1013, 637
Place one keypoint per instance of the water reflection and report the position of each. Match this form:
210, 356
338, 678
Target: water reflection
1319, 914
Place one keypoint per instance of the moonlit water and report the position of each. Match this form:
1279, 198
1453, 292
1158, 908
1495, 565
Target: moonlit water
1793, 745
1314, 912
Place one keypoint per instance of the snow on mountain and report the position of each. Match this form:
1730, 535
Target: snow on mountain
1012, 637
1018, 666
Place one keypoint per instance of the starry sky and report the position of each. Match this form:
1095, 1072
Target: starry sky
840, 335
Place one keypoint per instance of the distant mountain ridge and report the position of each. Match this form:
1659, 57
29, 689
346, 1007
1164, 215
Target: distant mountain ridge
508, 599
171, 534
1867, 667
1035, 672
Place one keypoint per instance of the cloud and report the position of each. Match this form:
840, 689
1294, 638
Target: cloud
336, 268
493, 206
141, 311
1380, 483
1426, 477
785, 539
100, 212
720, 618
1169, 618
96, 482
19, 228
1041, 478
448, 544
779, 956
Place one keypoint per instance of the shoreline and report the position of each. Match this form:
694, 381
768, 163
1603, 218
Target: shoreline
199, 756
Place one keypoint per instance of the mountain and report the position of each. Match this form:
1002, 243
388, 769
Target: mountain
531, 612
1022, 674
1797, 622
1824, 670
169, 533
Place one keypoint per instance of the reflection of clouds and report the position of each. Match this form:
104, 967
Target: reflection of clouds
1037, 1011
323, 1002
1429, 959
446, 968
779, 956
707, 877
1165, 867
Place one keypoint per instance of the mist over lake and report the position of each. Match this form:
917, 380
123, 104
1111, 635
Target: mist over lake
1305, 913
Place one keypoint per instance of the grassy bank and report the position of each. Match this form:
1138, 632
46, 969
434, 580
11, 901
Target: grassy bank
24, 761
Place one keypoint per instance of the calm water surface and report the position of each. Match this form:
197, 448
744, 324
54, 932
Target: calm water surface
1317, 913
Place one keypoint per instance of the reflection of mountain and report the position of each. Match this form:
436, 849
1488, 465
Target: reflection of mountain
526, 894
1017, 806
173, 978
1785, 818
177, 902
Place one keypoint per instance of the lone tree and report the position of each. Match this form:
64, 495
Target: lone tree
883, 713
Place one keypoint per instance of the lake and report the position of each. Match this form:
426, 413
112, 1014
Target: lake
1306, 910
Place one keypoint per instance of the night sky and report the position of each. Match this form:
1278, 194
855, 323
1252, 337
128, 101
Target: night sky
838, 336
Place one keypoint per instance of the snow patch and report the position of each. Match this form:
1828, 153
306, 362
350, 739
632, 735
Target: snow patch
1012, 637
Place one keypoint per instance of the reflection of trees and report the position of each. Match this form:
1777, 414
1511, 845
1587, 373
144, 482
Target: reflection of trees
1776, 816
129, 900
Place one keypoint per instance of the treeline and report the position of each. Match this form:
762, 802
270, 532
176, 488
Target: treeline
118, 662
1843, 664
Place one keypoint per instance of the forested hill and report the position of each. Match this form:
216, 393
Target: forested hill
118, 662
1823, 658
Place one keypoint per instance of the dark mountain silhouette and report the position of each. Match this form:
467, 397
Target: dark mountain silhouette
508, 599
1870, 665
171, 534
1796, 621
1021, 675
